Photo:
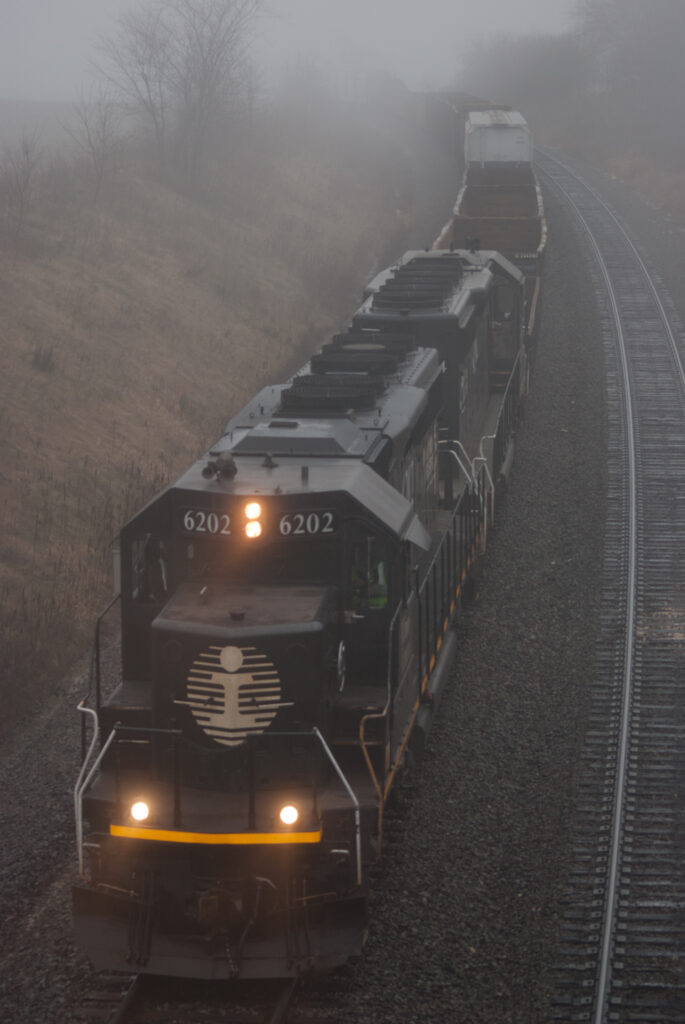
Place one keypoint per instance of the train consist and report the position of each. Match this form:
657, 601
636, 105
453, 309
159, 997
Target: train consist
285, 612
499, 205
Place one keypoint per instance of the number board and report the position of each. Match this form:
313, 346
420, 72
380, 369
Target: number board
202, 522
205, 522
322, 523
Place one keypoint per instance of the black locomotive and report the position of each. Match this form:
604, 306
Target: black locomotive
285, 613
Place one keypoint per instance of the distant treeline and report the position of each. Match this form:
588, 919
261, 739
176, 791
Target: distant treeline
615, 80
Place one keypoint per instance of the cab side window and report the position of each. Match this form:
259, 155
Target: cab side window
368, 575
505, 322
149, 582
504, 303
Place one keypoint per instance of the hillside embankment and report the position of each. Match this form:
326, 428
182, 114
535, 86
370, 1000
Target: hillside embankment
133, 327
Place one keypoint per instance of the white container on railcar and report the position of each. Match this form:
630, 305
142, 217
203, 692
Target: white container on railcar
496, 137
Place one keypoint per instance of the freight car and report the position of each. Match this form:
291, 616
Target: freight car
285, 614
499, 205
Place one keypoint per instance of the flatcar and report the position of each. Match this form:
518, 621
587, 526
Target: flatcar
499, 202
285, 617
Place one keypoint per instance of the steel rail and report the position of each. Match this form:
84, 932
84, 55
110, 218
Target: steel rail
622, 933
608, 922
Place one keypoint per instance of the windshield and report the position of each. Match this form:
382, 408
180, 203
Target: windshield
315, 561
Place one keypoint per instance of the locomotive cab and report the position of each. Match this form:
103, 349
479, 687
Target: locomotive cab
323, 571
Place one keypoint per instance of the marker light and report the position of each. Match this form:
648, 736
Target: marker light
140, 811
253, 510
289, 814
253, 529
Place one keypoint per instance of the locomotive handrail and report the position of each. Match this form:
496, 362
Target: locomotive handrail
95, 660
380, 714
468, 473
500, 437
489, 495
483, 460
84, 779
506, 415
452, 556
353, 798
94, 671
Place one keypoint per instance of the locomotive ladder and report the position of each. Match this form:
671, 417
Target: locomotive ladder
621, 955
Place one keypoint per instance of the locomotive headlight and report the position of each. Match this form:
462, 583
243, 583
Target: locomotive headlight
140, 811
289, 814
253, 527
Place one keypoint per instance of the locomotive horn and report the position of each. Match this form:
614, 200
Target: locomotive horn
224, 466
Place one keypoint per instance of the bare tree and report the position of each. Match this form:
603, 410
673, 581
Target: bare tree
209, 59
604, 26
252, 85
635, 50
18, 172
524, 69
177, 63
96, 132
135, 63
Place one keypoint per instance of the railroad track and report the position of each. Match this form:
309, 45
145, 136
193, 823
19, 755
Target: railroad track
622, 944
131, 999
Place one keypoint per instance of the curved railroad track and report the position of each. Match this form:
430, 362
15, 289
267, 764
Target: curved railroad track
622, 945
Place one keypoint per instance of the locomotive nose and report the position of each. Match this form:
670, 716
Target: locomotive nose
241, 662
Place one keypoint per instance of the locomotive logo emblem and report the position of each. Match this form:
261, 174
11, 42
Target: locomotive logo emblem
234, 692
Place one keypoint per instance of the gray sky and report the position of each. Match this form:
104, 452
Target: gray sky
45, 45
416, 39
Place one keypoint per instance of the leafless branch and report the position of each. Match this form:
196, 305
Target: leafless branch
18, 172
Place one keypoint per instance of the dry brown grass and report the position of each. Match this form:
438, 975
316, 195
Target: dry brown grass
129, 334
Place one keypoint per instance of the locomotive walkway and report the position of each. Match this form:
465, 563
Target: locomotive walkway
622, 945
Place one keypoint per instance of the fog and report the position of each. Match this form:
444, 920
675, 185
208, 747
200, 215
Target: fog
418, 41
46, 45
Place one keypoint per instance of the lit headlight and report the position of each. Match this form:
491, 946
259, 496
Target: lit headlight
253, 510
253, 529
140, 811
289, 814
